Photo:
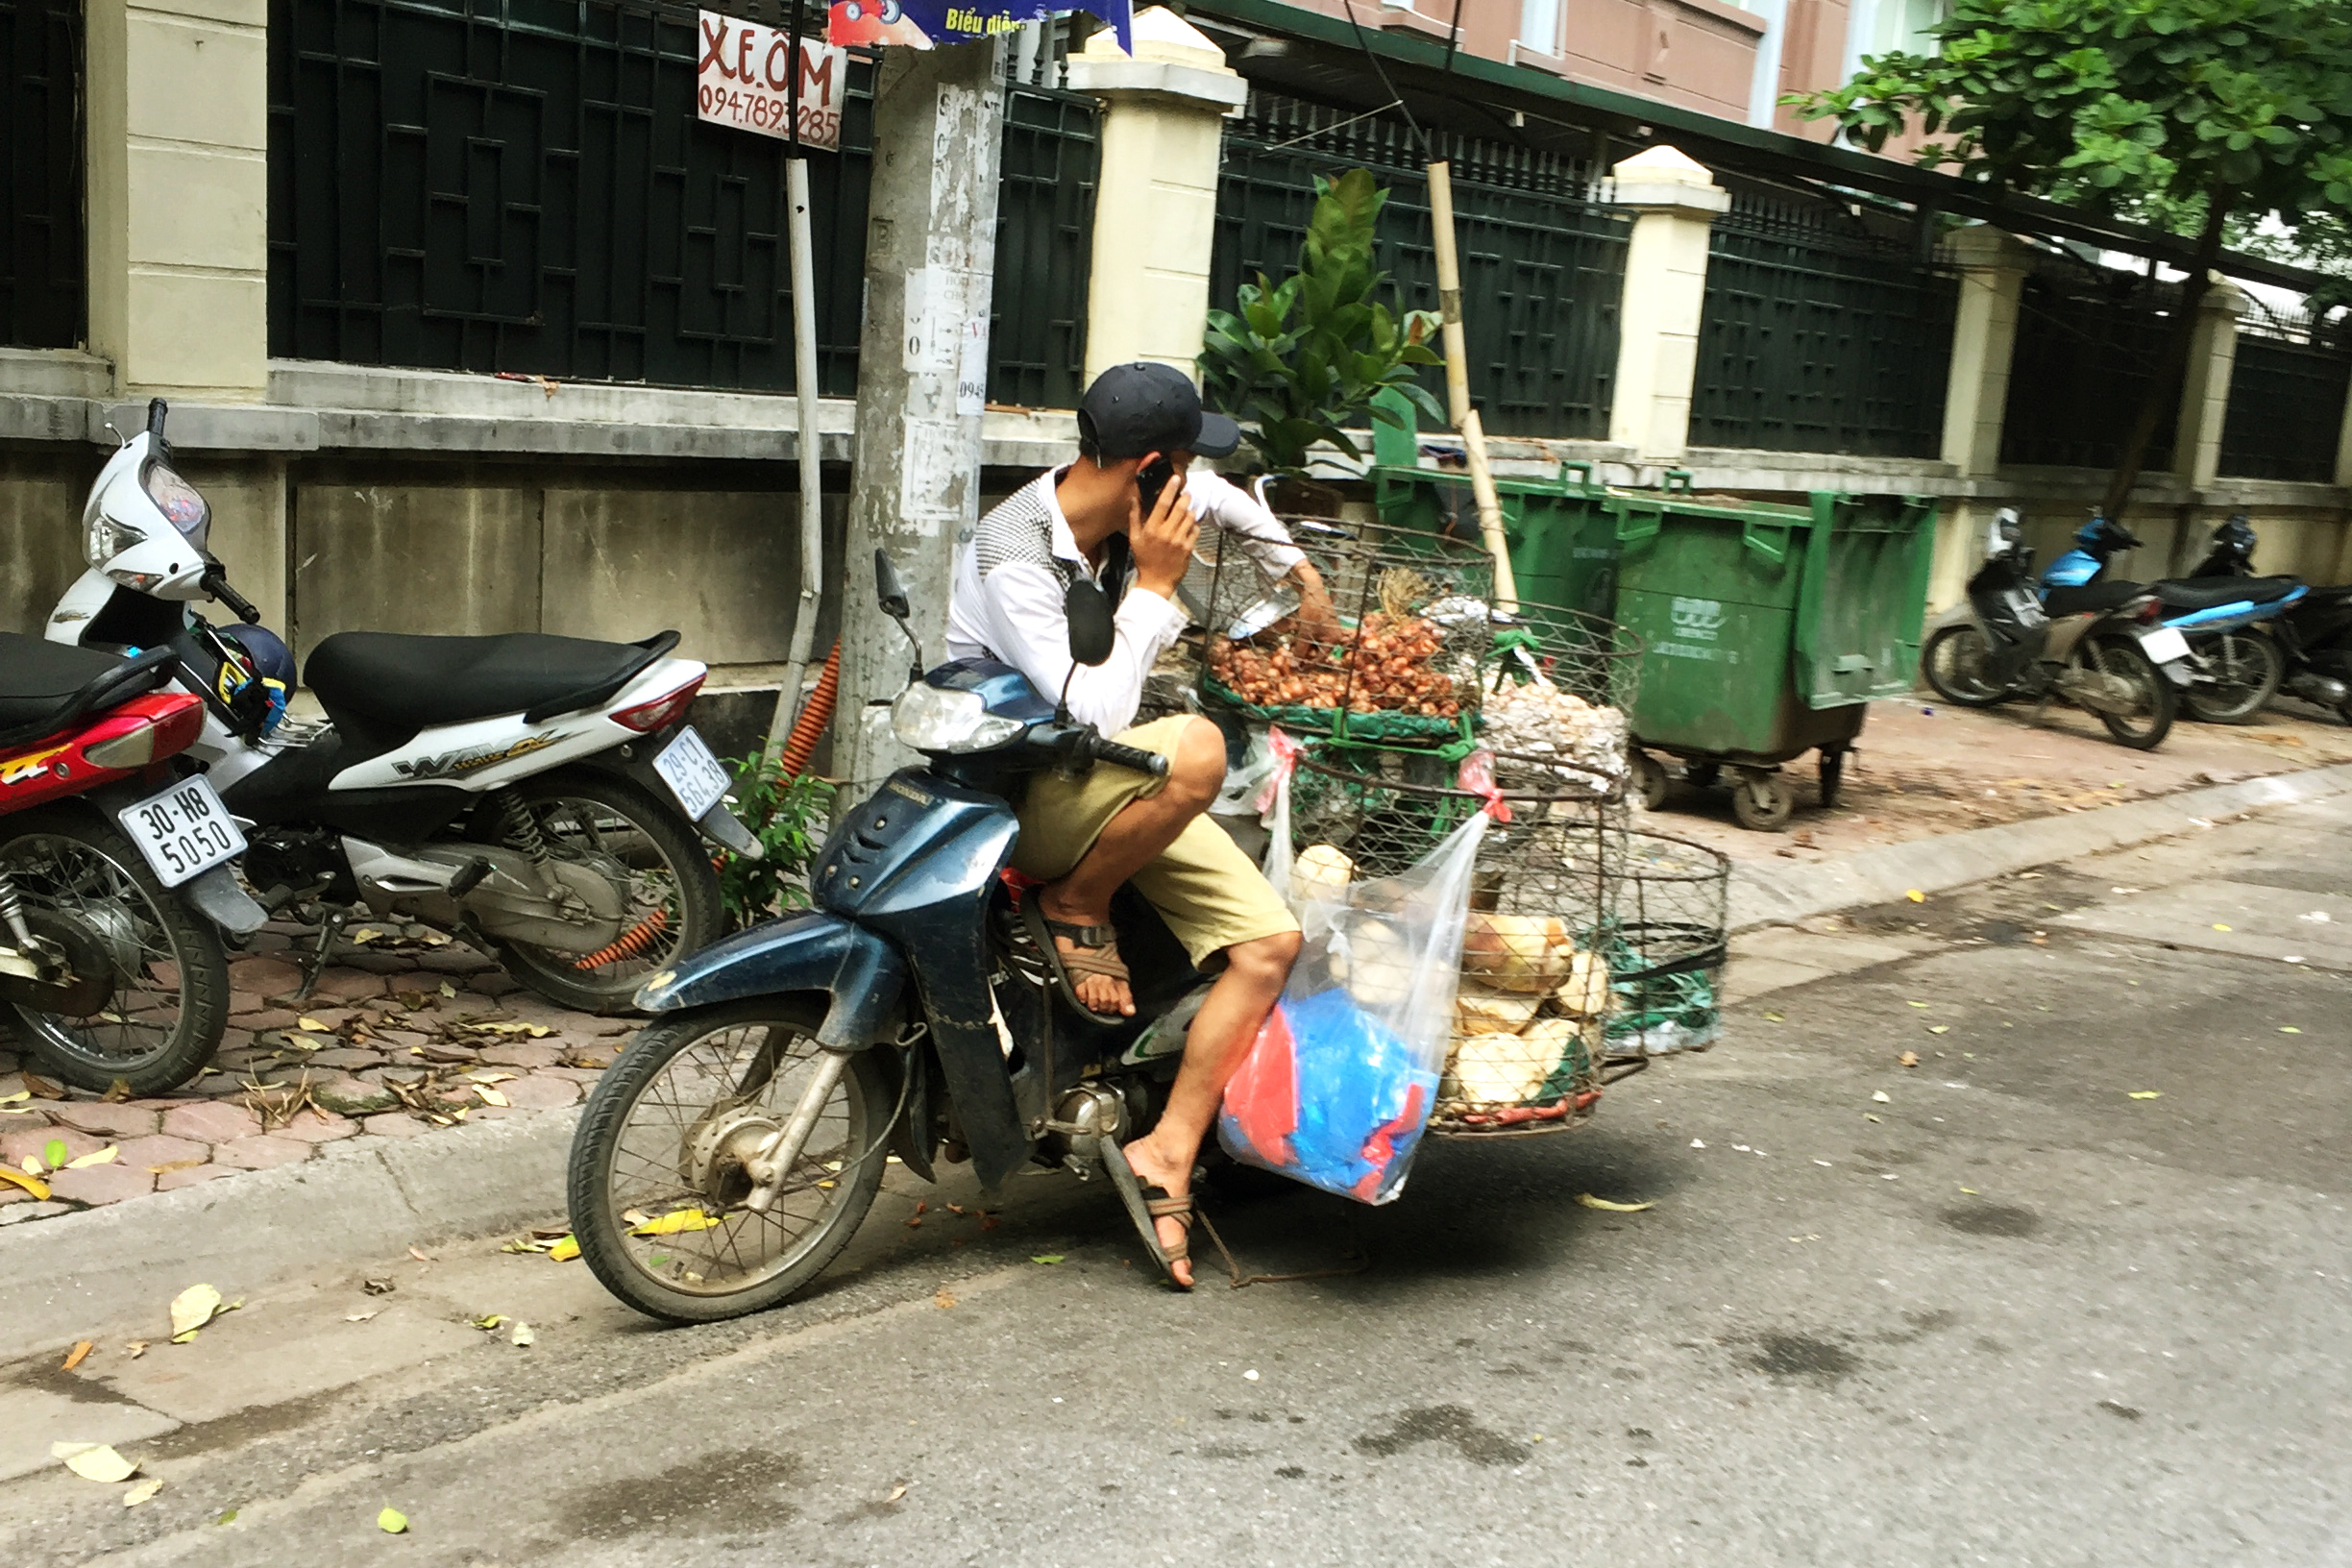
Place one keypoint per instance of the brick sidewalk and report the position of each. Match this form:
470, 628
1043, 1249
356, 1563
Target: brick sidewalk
404, 1035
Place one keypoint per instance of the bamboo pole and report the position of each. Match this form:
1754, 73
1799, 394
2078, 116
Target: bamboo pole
1458, 386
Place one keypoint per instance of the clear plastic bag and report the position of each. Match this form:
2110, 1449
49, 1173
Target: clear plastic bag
1337, 1086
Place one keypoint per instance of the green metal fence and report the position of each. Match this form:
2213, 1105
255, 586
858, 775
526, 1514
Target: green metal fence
2088, 343
1543, 263
1044, 248
2286, 395
1820, 333
522, 185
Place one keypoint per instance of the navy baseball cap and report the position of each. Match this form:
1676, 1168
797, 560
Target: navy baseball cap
1144, 408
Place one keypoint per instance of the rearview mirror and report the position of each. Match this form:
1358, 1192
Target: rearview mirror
888, 589
2005, 524
1091, 635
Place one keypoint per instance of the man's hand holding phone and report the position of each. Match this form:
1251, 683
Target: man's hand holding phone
1160, 531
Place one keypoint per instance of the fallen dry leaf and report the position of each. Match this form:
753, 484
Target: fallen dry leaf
39, 1088
896, 1492
27, 1180
1591, 1202
675, 1223
96, 1157
419, 1255
564, 1251
944, 1300
313, 1025
359, 1317
95, 1461
489, 1095
117, 1091
173, 1165
143, 1492
1909, 1059
2147, 1094
522, 1336
78, 1355
392, 1522
135, 1348
378, 1288
1915, 897
191, 1310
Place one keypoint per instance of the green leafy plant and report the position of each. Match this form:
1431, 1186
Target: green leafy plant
787, 814
2206, 112
1299, 362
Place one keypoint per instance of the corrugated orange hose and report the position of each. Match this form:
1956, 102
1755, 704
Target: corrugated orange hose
631, 943
814, 715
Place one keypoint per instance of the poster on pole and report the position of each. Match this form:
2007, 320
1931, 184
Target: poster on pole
924, 24
746, 81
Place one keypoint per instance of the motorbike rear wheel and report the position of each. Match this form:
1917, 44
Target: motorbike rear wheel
656, 1186
2246, 671
651, 855
169, 998
2150, 720
1954, 661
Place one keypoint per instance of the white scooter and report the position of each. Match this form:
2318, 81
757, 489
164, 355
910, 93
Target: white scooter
537, 795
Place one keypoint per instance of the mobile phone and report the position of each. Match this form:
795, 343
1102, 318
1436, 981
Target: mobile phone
1152, 478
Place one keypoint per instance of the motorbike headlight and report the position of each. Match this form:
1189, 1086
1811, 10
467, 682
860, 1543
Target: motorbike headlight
102, 537
932, 719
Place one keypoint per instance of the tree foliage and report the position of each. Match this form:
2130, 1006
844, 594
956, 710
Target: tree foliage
2206, 115
1299, 362
2246, 104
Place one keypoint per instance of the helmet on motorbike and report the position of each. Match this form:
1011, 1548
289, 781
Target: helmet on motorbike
2099, 535
2237, 536
258, 674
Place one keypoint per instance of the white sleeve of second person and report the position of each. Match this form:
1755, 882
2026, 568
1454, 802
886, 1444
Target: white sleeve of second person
1021, 607
1219, 502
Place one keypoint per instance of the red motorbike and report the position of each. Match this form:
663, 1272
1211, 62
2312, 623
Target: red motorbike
115, 869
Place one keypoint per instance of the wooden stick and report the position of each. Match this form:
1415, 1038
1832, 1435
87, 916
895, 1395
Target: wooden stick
1458, 386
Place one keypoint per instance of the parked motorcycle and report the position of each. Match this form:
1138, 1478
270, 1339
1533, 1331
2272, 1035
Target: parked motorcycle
2236, 664
728, 1154
536, 795
2097, 647
113, 870
2313, 636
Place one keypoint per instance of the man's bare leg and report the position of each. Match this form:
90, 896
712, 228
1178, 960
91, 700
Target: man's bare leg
1132, 840
1220, 1036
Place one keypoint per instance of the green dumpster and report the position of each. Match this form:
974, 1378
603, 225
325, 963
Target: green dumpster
1561, 535
1767, 630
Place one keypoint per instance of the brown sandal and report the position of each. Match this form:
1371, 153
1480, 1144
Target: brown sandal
1097, 953
1147, 1204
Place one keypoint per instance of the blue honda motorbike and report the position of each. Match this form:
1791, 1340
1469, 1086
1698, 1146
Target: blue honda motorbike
727, 1157
2236, 664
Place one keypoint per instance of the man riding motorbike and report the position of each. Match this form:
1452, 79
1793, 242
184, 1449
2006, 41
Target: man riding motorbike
1123, 516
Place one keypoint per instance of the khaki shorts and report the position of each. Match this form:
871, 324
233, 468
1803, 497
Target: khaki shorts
1206, 888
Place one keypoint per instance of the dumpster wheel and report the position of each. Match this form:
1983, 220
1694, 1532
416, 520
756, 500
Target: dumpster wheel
1649, 778
1762, 799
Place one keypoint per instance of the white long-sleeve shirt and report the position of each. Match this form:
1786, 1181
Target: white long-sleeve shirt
1006, 600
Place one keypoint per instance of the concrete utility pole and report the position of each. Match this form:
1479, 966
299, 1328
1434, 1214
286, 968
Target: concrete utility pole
923, 369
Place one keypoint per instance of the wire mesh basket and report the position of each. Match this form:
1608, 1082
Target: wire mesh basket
1529, 1037
1403, 667
1559, 686
1666, 941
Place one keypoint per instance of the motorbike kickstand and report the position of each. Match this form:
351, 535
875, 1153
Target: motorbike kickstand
329, 928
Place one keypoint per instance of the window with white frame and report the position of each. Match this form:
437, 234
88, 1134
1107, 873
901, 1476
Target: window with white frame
1539, 25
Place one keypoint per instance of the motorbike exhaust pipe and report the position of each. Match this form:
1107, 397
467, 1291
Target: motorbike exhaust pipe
2325, 690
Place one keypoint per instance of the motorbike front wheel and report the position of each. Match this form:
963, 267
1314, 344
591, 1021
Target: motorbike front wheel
657, 1184
1954, 662
2150, 718
2246, 670
653, 859
83, 883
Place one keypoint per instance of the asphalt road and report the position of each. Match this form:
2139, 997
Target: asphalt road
2008, 1315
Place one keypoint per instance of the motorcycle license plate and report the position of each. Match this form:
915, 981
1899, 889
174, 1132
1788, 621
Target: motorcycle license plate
693, 775
183, 831
2164, 644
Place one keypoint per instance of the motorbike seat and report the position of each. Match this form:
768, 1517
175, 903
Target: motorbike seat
2090, 598
45, 686
385, 680
2210, 592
